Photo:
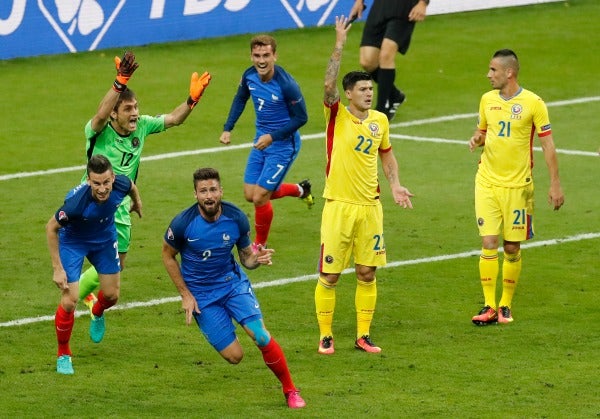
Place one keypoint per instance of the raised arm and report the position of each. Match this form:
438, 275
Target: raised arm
125, 67
332, 94
197, 86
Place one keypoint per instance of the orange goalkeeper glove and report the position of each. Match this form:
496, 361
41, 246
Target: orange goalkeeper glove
125, 68
197, 86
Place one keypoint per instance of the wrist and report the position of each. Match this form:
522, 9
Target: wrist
118, 85
191, 102
425, 1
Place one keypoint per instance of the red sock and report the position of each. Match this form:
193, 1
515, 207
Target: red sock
102, 304
275, 360
263, 216
63, 324
286, 189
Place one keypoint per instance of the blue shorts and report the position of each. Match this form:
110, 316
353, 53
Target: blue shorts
267, 168
103, 256
218, 307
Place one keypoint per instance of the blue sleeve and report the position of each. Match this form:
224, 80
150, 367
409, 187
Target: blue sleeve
295, 104
122, 184
175, 234
239, 103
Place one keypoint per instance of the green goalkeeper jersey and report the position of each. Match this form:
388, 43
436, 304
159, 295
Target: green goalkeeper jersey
124, 152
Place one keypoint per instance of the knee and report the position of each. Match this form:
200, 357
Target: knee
368, 65
68, 304
234, 358
365, 274
262, 337
329, 279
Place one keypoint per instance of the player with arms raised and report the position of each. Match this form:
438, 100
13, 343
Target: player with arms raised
119, 132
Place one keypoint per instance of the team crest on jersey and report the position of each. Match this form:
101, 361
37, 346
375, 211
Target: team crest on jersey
480, 222
374, 128
135, 141
62, 216
516, 109
328, 259
226, 238
170, 234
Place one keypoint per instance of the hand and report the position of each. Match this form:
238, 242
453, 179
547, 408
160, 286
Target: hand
60, 279
190, 306
225, 137
402, 197
125, 68
263, 142
263, 255
136, 206
417, 13
476, 140
197, 86
356, 11
342, 26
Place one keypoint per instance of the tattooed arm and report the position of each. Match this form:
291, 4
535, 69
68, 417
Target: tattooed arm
332, 94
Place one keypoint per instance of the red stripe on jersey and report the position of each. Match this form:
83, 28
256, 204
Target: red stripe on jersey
531, 136
329, 132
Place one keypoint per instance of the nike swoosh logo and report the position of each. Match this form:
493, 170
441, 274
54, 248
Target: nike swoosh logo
271, 182
192, 240
251, 88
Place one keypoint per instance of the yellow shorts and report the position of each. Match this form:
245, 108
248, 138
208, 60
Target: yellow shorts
351, 230
506, 211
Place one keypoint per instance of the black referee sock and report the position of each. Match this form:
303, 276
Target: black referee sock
385, 85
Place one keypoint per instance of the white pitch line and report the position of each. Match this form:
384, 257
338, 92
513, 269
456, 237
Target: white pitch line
302, 278
446, 118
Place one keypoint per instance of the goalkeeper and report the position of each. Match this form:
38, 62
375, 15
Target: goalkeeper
119, 132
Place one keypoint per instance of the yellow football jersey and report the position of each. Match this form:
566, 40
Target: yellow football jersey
353, 147
510, 126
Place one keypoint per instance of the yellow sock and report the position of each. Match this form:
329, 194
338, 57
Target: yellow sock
325, 305
364, 300
511, 271
488, 272
88, 282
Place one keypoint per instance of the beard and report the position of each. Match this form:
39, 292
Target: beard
210, 208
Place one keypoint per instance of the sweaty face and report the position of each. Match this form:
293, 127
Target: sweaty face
126, 117
361, 95
209, 194
263, 58
101, 184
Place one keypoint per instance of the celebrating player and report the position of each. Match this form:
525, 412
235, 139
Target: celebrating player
280, 111
85, 227
508, 117
352, 220
119, 132
213, 287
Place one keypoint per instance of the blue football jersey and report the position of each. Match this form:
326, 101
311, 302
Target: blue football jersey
86, 221
206, 247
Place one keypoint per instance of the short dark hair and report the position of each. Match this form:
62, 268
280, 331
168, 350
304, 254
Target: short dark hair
206, 173
353, 77
505, 53
508, 57
98, 164
263, 40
